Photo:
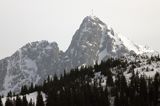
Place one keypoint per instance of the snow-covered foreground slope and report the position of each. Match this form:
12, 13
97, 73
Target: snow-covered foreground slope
148, 70
93, 41
31, 96
143, 66
140, 65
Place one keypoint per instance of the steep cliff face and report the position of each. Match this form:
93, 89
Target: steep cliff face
31, 63
93, 41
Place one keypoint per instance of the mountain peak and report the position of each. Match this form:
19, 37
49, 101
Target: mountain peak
93, 19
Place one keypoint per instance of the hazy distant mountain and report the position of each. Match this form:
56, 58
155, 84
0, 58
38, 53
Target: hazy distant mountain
93, 41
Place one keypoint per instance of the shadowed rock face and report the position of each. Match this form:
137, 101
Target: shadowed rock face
93, 41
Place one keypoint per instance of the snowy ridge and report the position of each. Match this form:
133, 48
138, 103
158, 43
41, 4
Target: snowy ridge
138, 49
129, 44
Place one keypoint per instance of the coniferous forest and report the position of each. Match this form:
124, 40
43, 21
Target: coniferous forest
103, 84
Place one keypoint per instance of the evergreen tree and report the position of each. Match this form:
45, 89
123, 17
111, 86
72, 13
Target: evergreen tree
96, 67
106, 97
9, 102
156, 85
150, 92
143, 92
117, 100
24, 101
18, 101
1, 102
31, 88
40, 101
24, 90
109, 79
9, 94
30, 103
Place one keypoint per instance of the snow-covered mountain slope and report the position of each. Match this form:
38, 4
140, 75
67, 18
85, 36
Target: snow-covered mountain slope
93, 41
143, 65
139, 65
138, 49
31, 96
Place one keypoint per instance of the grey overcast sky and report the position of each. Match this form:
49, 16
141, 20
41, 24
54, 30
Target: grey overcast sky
23, 21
